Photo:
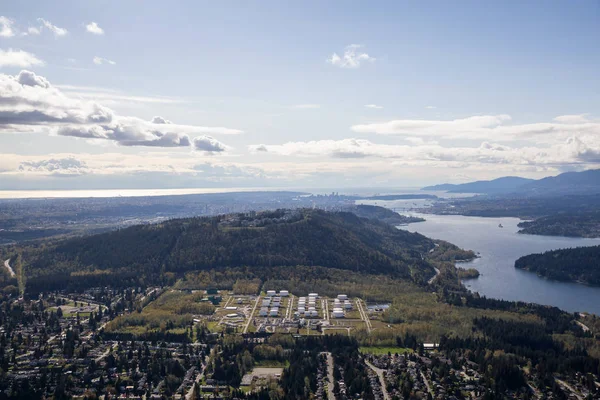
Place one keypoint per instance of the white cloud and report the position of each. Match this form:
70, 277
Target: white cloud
573, 151
18, 58
32, 30
93, 27
69, 166
572, 119
352, 57
6, 27
29, 102
306, 106
58, 32
484, 127
99, 61
374, 106
113, 96
430, 107
209, 145
160, 120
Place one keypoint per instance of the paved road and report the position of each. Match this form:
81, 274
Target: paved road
379, 373
330, 394
569, 387
363, 315
583, 326
426, 381
101, 356
9, 268
437, 272
251, 314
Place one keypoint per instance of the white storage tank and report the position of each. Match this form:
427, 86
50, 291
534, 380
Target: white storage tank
264, 311
338, 313
348, 305
342, 297
274, 312
284, 293
315, 295
271, 293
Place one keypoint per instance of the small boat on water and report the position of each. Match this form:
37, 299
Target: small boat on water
500, 226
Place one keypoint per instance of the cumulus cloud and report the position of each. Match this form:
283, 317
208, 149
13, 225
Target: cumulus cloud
352, 57
484, 127
55, 166
6, 27
374, 106
127, 132
18, 58
99, 61
209, 145
93, 27
160, 120
58, 32
30, 102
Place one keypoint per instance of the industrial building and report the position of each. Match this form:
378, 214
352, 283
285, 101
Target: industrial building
338, 313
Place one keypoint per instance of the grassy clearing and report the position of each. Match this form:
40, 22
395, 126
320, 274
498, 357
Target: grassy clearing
272, 364
172, 312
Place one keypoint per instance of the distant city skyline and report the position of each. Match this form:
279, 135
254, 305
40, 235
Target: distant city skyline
266, 94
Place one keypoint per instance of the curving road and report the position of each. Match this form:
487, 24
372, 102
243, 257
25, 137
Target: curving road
9, 268
379, 373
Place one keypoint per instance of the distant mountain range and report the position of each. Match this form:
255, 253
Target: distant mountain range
586, 182
500, 185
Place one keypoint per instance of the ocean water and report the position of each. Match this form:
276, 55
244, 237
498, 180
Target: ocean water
498, 249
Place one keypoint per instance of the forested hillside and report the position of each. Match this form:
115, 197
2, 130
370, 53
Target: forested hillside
580, 264
383, 214
152, 253
579, 224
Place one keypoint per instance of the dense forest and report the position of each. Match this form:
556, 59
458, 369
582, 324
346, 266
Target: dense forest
576, 265
383, 214
149, 254
585, 224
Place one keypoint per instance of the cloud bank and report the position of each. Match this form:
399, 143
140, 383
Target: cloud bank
29, 102
485, 127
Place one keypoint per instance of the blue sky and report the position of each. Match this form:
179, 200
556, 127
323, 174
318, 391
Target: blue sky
431, 91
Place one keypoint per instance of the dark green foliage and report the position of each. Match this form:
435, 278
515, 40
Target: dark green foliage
383, 214
584, 224
150, 253
580, 264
